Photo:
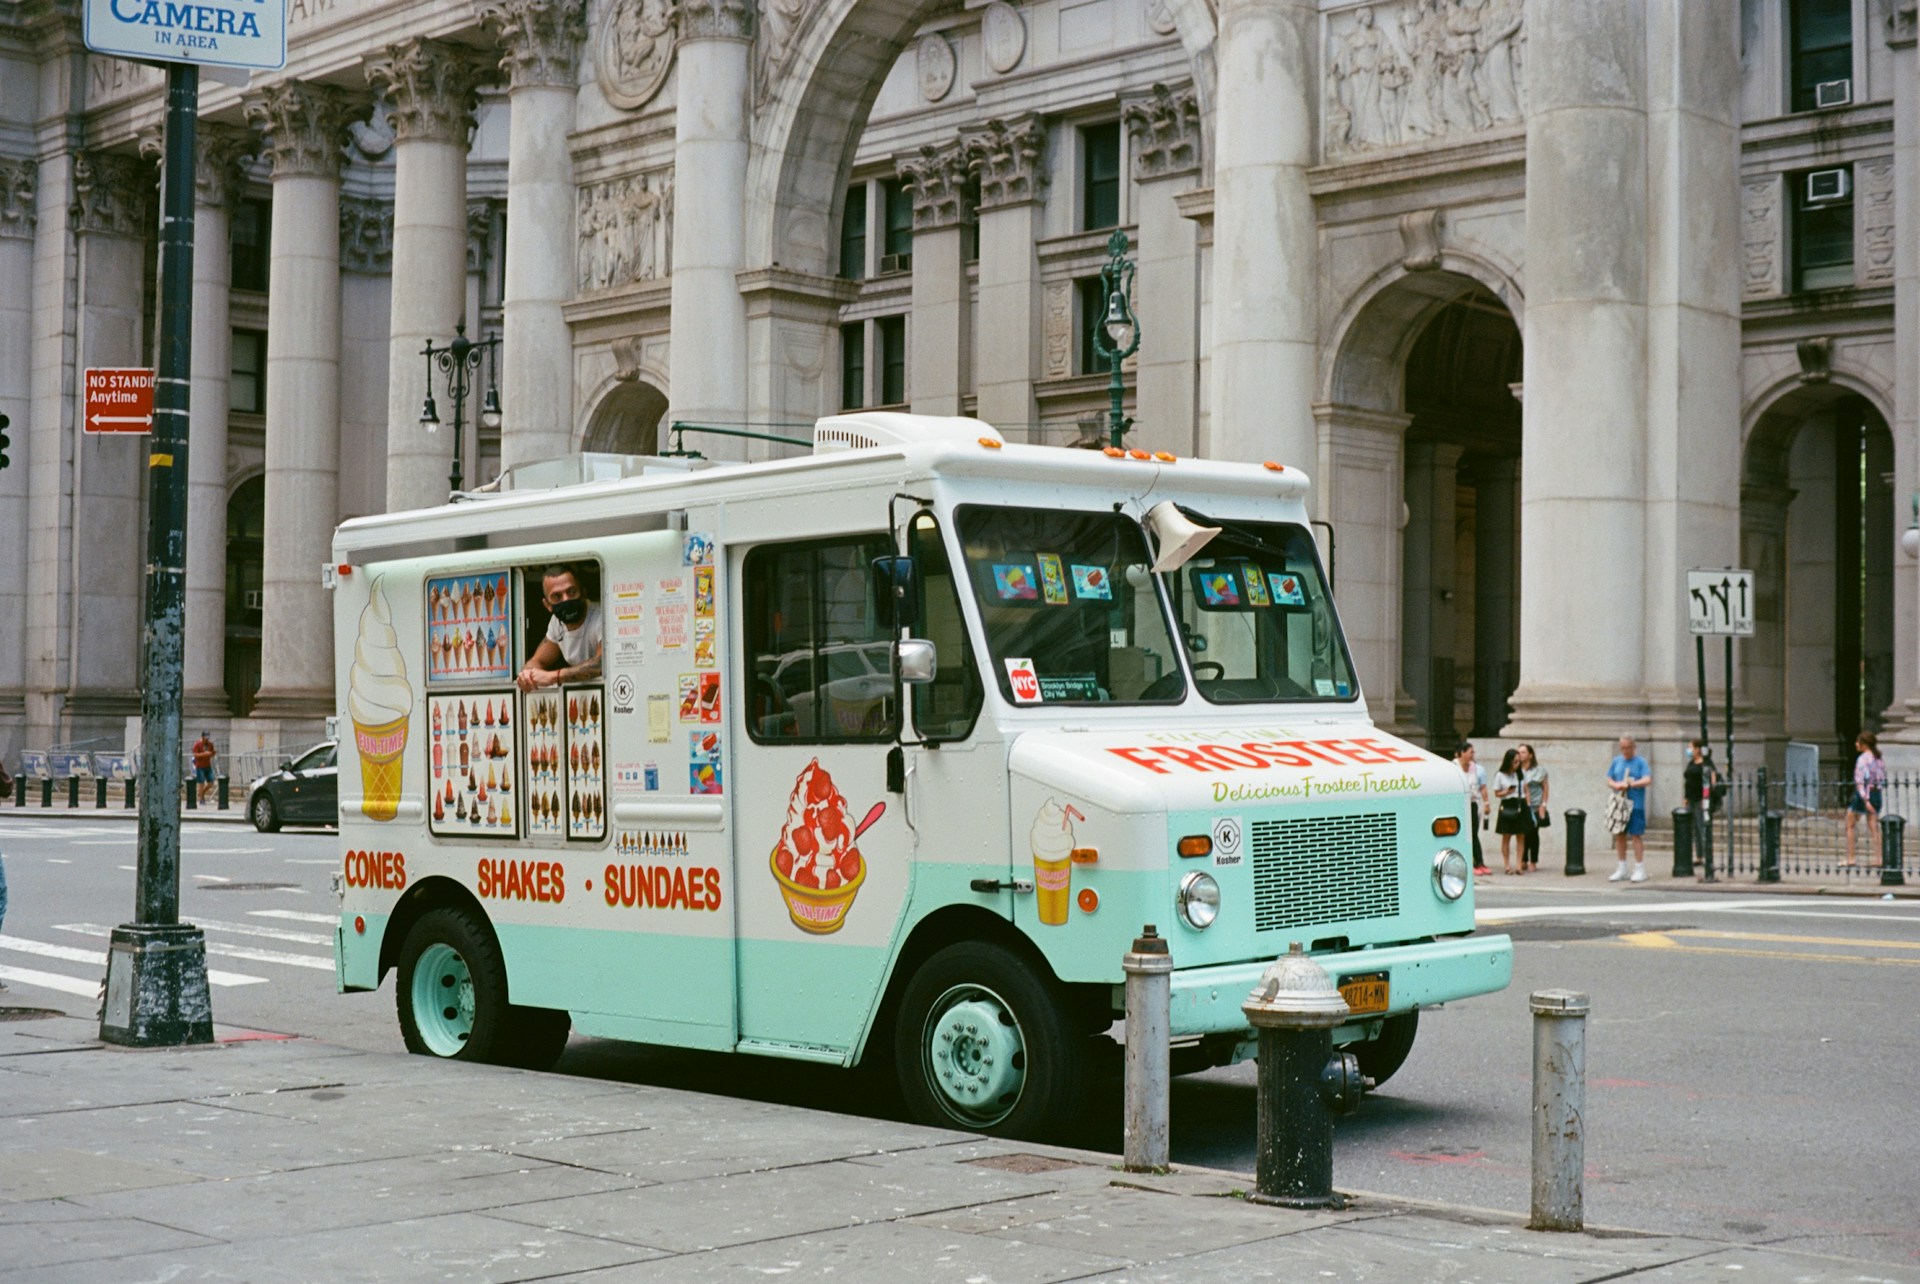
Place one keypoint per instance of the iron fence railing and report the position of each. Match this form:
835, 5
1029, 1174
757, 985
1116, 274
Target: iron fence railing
1805, 821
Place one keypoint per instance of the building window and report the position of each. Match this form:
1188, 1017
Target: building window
1820, 35
853, 235
891, 340
247, 383
897, 247
1100, 176
251, 228
1822, 228
1092, 302
853, 366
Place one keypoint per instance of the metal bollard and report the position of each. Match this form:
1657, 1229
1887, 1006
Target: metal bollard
193, 793
132, 799
46, 792
1576, 823
73, 792
1893, 834
1682, 842
1149, 970
20, 791
100, 794
1303, 1082
223, 782
1770, 847
1559, 1109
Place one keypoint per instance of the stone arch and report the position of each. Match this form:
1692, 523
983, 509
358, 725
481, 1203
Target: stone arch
805, 138
625, 419
1376, 329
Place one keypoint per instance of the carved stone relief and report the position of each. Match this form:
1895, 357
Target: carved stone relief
432, 88
1760, 249
1874, 209
625, 231
1006, 154
936, 179
1165, 126
366, 236
633, 50
538, 38
1003, 36
305, 125
18, 185
716, 19
479, 233
1160, 17
1421, 232
780, 22
111, 194
1056, 329
934, 62
1415, 71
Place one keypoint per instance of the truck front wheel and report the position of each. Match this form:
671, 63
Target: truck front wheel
1380, 1057
981, 1043
452, 989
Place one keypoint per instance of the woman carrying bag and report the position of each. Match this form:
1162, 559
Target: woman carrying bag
1535, 791
1515, 820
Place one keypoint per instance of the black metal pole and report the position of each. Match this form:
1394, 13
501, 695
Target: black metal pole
156, 993
1700, 670
1726, 768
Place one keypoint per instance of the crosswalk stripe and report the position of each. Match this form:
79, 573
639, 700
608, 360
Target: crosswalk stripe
247, 952
98, 958
266, 933
50, 981
297, 916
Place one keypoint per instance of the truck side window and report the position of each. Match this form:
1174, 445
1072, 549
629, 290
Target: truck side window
819, 656
944, 709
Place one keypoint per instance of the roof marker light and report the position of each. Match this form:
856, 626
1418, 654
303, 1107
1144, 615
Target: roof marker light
1272, 467
1113, 452
990, 443
1165, 457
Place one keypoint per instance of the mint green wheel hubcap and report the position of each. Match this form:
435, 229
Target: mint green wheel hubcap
443, 1000
974, 1056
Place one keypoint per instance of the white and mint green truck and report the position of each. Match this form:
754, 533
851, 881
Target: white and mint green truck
890, 752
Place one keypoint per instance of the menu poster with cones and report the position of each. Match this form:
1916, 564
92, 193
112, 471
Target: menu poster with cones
473, 778
586, 780
469, 629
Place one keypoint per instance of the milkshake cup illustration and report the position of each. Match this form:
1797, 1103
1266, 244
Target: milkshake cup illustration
379, 701
1052, 841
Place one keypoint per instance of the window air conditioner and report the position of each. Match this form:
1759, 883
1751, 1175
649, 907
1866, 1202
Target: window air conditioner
896, 263
1825, 186
255, 599
1833, 93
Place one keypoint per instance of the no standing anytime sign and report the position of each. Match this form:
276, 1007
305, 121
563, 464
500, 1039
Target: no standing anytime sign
118, 400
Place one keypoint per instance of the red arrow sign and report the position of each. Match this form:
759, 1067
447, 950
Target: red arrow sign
118, 400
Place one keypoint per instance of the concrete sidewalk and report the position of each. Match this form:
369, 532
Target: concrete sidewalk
287, 1159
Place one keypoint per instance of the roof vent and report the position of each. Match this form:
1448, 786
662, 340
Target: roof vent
891, 428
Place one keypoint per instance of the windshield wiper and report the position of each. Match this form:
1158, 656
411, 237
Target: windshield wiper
1239, 535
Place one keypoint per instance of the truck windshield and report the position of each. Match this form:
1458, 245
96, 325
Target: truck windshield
1069, 607
1257, 618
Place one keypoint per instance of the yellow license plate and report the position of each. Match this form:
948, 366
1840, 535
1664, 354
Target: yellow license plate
1366, 993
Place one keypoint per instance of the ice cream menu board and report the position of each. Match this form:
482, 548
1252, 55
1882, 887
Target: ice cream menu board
469, 635
474, 785
542, 767
586, 814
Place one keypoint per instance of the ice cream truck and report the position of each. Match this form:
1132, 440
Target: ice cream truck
888, 752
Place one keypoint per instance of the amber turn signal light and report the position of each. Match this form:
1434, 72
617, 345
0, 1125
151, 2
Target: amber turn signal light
1084, 855
1196, 845
1446, 827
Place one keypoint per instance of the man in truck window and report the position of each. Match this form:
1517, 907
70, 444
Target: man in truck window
570, 651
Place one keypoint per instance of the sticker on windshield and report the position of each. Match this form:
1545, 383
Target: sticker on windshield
1218, 588
1257, 588
1070, 686
1016, 581
1343, 689
1024, 681
1287, 589
1053, 579
1323, 686
1092, 582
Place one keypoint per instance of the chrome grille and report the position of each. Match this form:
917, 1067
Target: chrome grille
1328, 869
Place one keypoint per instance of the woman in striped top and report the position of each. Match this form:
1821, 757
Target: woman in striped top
1869, 778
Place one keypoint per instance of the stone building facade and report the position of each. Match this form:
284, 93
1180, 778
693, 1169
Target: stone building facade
1555, 299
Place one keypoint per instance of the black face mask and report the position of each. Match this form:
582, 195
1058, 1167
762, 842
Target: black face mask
570, 613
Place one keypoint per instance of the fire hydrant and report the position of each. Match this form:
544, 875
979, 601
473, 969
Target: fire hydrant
1304, 1083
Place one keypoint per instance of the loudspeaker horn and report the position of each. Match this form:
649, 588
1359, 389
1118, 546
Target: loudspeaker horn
1178, 536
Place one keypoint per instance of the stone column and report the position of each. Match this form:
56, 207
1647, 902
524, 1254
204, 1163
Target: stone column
1265, 239
1496, 577
1359, 474
304, 126
1584, 468
1433, 479
114, 215
1165, 130
708, 362
1902, 739
18, 190
1009, 157
366, 293
540, 39
221, 153
47, 445
940, 359
433, 87
1692, 508
1761, 678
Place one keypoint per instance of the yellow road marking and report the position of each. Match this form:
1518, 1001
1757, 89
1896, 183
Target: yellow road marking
1799, 940
1665, 941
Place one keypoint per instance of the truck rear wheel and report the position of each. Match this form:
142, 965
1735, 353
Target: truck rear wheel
452, 990
981, 1043
1380, 1057
539, 1037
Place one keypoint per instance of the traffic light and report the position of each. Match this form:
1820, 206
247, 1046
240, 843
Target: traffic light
5, 440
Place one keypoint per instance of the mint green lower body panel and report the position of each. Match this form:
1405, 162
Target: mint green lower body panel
356, 957
1206, 1000
811, 994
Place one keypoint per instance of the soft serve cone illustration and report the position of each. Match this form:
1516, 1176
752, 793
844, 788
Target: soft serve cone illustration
379, 700
1052, 841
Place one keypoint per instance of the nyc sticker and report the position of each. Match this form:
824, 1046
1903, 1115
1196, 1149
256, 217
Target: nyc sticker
1024, 681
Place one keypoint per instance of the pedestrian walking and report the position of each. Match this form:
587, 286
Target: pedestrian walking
1699, 778
1474, 777
1869, 778
1514, 821
1535, 789
204, 752
1628, 777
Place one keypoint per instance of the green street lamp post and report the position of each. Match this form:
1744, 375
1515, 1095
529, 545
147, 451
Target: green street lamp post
459, 361
1118, 335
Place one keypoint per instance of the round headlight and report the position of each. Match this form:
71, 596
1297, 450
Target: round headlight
1450, 874
1199, 900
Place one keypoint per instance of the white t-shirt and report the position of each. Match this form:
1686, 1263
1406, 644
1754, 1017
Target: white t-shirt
1475, 779
577, 646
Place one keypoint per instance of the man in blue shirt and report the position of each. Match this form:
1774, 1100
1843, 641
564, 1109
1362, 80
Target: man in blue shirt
1630, 775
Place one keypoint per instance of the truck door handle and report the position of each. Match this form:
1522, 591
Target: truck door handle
997, 885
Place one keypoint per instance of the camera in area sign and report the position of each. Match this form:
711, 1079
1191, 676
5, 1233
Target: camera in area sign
223, 33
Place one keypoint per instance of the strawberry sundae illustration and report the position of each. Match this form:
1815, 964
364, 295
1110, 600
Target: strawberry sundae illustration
816, 862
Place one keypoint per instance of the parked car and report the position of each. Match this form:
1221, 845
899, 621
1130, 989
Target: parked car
305, 791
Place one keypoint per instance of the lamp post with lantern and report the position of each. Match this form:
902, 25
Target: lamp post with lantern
1118, 335
458, 362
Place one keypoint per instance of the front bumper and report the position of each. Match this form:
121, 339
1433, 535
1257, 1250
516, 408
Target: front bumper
1206, 1000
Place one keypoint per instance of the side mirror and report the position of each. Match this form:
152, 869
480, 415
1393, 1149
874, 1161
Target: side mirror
286, 765
916, 661
896, 590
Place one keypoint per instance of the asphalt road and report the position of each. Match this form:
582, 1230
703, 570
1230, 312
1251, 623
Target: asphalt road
1751, 1059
